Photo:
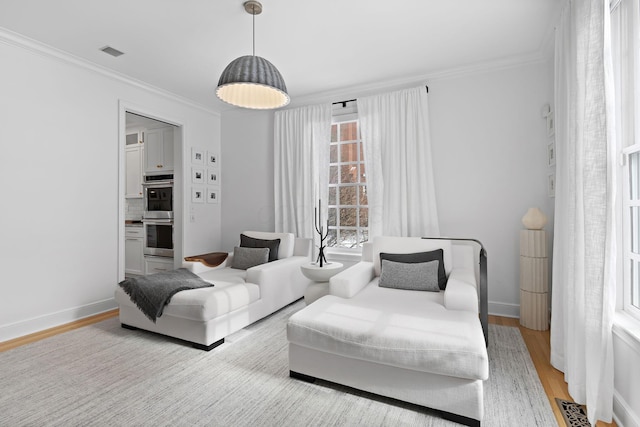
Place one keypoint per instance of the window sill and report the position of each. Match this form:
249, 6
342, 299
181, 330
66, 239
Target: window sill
627, 328
344, 255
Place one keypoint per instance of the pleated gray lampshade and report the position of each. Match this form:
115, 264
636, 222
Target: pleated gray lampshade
252, 82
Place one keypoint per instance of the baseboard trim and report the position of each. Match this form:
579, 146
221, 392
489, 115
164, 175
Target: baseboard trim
504, 309
623, 415
48, 321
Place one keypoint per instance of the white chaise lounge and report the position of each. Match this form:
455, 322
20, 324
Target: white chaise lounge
205, 316
427, 348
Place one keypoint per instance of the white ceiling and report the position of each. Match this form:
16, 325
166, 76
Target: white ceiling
327, 46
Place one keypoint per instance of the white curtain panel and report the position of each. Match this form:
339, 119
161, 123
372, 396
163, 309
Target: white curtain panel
583, 294
301, 160
397, 148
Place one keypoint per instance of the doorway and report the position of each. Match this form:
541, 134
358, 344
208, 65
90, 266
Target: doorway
150, 150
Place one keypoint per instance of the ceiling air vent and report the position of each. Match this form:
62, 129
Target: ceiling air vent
111, 51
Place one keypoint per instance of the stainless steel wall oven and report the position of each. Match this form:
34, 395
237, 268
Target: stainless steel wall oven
158, 196
158, 215
158, 237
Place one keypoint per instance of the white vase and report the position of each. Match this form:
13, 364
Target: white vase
534, 219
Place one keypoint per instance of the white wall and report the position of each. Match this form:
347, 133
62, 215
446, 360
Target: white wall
247, 161
489, 145
59, 165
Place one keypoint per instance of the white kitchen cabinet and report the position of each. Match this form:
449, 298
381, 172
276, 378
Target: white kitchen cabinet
135, 137
158, 153
134, 250
156, 264
134, 163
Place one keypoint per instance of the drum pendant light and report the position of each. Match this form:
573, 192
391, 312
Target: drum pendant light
251, 81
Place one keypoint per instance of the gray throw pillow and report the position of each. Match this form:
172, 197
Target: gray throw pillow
420, 276
244, 258
252, 242
435, 255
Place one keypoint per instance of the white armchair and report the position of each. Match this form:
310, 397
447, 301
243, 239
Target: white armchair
423, 347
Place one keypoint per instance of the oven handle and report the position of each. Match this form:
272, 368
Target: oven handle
157, 221
153, 184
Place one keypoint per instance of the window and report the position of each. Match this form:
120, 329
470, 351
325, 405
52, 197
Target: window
631, 228
348, 212
623, 41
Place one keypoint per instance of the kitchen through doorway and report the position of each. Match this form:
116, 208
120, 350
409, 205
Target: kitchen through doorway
151, 200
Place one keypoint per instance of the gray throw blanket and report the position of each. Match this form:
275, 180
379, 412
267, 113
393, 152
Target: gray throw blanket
152, 293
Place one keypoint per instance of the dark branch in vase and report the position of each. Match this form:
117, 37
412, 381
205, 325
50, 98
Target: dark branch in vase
324, 233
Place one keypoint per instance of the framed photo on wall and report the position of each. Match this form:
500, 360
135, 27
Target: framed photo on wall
213, 177
197, 195
212, 159
551, 152
197, 156
213, 195
197, 175
551, 125
551, 185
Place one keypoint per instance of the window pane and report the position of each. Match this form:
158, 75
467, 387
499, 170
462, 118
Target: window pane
348, 238
634, 175
349, 152
333, 153
364, 236
364, 217
334, 133
363, 177
333, 174
332, 238
348, 131
635, 283
362, 191
635, 229
332, 217
348, 195
332, 195
348, 217
348, 173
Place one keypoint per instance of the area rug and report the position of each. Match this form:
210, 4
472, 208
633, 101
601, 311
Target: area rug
103, 375
574, 414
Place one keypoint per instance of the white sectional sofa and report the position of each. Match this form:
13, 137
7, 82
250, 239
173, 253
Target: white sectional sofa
205, 316
427, 348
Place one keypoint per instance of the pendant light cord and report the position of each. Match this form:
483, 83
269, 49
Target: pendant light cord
253, 8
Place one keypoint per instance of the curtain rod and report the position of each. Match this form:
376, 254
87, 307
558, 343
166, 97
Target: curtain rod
344, 103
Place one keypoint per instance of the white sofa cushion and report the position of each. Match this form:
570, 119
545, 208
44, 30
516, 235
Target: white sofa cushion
407, 245
287, 241
192, 304
227, 274
407, 329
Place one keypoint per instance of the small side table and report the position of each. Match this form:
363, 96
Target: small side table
212, 259
534, 280
321, 276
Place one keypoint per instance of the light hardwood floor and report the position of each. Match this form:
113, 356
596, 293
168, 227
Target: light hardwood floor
552, 380
537, 343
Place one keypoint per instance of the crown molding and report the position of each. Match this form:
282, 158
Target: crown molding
14, 39
540, 56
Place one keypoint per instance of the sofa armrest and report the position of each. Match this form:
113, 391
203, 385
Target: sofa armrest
302, 247
349, 282
461, 292
197, 267
277, 272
